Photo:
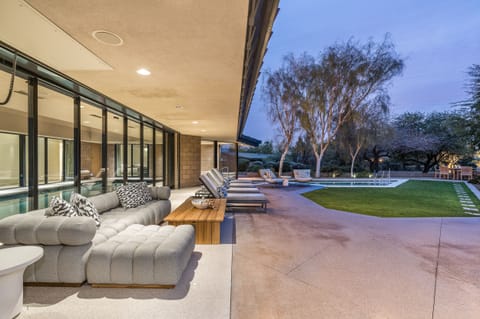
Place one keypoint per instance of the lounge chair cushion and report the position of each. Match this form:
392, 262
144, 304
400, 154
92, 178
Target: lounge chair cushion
243, 190
246, 197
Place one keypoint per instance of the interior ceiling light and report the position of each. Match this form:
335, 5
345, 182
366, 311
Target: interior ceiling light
107, 37
203, 130
194, 122
143, 71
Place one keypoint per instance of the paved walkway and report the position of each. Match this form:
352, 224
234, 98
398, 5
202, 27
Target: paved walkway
304, 261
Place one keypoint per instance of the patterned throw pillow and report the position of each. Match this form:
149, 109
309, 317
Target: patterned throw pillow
131, 195
60, 207
84, 207
147, 196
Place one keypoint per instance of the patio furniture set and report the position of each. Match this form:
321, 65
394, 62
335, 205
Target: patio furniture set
238, 194
299, 175
454, 172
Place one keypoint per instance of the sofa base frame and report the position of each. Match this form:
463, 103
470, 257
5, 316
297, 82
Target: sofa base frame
150, 286
53, 284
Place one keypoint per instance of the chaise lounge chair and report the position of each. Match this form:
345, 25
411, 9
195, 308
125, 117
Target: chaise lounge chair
236, 199
232, 182
230, 189
302, 175
269, 176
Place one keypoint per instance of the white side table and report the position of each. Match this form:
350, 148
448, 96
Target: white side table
13, 262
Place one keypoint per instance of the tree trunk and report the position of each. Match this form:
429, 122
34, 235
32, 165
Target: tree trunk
318, 160
354, 157
282, 159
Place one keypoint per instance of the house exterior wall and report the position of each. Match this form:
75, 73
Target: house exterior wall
190, 160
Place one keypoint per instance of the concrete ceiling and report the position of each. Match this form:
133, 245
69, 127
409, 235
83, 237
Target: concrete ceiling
194, 50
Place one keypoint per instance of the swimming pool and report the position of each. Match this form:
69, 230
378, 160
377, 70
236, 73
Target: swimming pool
357, 182
16, 201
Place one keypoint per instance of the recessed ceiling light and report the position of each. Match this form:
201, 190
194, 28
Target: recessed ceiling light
82, 106
143, 71
203, 130
107, 37
194, 122
86, 122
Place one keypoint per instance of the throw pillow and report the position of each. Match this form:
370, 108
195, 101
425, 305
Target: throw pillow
84, 207
131, 195
147, 196
60, 207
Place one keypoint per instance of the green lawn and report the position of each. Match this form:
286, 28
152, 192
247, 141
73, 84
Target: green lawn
411, 199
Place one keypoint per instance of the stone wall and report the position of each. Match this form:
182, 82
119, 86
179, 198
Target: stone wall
207, 157
190, 160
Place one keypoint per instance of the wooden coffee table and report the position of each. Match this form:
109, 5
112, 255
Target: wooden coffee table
206, 221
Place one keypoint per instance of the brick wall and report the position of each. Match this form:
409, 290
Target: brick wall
190, 160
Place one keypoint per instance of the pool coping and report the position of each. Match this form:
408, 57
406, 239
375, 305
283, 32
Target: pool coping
394, 182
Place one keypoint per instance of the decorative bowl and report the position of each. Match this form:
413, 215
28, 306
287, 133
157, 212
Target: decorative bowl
200, 203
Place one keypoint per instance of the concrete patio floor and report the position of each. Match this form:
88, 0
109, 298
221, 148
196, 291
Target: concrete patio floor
301, 260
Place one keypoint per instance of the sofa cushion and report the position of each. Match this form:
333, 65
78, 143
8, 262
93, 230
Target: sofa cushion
31, 229
105, 202
142, 255
84, 207
160, 192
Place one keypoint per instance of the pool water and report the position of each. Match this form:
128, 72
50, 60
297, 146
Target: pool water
19, 203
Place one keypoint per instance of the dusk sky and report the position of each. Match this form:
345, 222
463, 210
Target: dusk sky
438, 40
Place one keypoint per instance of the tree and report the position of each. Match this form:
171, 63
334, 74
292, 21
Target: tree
361, 128
472, 104
378, 146
430, 139
302, 152
345, 77
281, 106
264, 148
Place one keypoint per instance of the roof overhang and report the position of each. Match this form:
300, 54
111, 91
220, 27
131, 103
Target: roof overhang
202, 54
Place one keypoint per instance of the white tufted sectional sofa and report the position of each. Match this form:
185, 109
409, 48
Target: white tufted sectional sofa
69, 242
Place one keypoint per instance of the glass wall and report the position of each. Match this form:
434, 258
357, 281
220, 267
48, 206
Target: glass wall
55, 128
228, 159
91, 170
148, 158
56, 158
114, 150
13, 132
10, 169
158, 158
133, 151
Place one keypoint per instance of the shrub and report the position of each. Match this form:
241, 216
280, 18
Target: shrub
243, 164
363, 174
255, 166
475, 180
